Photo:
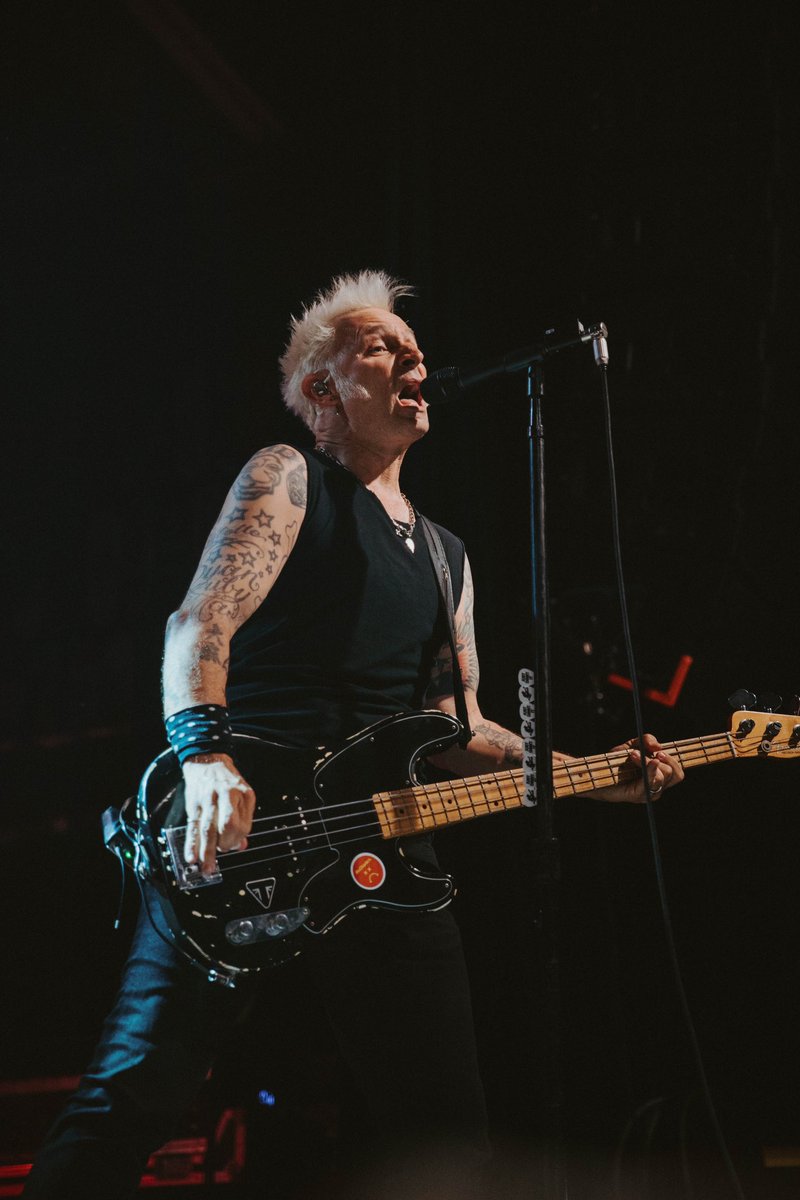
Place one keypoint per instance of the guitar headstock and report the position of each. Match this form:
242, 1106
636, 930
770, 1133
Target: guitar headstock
765, 734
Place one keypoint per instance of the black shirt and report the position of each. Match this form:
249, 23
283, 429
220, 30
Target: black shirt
349, 631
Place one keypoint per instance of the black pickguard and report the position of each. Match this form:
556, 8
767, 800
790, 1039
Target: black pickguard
315, 851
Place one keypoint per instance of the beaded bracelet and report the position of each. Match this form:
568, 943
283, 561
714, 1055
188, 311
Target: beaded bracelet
202, 729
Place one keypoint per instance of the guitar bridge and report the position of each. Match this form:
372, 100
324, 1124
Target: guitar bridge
188, 876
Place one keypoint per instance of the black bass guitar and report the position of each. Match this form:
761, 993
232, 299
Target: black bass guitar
330, 827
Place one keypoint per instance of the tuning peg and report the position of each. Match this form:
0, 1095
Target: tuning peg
769, 702
794, 708
742, 699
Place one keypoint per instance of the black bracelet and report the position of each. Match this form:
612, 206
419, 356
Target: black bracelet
202, 729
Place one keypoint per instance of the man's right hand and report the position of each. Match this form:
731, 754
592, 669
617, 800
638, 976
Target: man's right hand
219, 809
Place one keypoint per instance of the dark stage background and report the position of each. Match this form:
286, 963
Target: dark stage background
178, 179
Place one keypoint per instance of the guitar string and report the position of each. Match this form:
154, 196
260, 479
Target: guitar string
227, 866
368, 808
460, 789
599, 763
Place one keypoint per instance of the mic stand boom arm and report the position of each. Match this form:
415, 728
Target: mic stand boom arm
448, 383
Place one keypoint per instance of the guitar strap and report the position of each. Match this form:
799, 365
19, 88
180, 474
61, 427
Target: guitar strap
445, 584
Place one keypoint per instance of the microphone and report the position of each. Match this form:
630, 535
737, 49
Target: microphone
448, 383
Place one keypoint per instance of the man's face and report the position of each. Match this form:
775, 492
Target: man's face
382, 366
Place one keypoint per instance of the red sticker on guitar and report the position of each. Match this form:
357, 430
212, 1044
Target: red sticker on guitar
367, 871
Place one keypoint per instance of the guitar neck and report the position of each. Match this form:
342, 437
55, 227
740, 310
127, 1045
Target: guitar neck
430, 806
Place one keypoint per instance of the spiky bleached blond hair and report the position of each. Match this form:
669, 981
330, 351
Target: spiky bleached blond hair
312, 335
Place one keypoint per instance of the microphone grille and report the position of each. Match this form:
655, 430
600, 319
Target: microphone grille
441, 386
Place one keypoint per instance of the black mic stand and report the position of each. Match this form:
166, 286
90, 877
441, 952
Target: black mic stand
535, 694
539, 784
546, 847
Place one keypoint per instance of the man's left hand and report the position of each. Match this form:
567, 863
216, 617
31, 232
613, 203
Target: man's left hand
663, 771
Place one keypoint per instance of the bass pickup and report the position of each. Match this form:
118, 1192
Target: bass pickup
265, 926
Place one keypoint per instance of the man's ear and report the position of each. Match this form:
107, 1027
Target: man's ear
318, 388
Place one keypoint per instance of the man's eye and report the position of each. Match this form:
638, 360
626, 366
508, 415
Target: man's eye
375, 349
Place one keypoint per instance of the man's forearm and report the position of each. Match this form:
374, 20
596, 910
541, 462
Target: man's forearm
495, 745
491, 748
196, 657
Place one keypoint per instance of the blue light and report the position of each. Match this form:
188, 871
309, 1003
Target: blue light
265, 1097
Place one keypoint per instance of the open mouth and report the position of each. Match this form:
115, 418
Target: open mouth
409, 395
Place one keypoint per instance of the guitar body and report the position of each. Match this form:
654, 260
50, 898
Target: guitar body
316, 851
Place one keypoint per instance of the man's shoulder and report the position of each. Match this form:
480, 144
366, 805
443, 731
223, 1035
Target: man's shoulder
276, 452
274, 461
271, 470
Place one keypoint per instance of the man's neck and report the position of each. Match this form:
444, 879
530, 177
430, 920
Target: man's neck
378, 470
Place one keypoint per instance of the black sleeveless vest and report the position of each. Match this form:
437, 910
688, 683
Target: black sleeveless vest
349, 631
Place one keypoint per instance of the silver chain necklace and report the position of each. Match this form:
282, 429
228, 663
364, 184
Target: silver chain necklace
403, 529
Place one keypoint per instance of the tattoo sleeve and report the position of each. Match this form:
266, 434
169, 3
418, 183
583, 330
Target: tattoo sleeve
252, 538
245, 552
441, 681
491, 746
263, 475
503, 739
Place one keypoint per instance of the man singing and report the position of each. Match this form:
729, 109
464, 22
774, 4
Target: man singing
314, 612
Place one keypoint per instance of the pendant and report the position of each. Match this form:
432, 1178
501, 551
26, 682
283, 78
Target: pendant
405, 533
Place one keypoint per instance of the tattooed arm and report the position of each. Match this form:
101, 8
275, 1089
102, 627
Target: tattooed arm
245, 552
491, 748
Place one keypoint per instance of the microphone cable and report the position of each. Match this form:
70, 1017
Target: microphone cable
654, 840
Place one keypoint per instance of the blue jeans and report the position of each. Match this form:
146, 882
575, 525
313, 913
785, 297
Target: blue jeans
396, 992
